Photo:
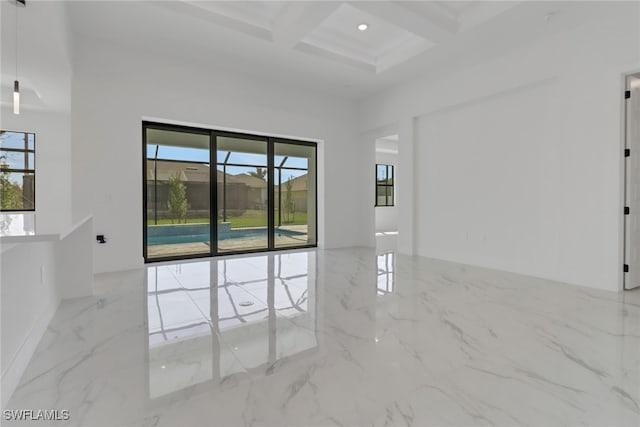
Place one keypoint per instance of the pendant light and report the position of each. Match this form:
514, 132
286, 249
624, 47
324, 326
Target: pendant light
16, 83
16, 97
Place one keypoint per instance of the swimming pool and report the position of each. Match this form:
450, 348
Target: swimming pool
171, 235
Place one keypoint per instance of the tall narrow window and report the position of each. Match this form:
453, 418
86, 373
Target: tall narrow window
384, 185
17, 171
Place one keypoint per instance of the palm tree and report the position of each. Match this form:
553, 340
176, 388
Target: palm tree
260, 173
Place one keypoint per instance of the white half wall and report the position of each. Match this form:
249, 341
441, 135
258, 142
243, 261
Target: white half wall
37, 272
114, 89
520, 155
74, 261
30, 298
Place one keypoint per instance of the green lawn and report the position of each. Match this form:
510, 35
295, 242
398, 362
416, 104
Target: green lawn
250, 218
299, 218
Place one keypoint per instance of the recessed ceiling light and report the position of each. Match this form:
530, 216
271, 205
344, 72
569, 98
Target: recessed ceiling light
549, 16
363, 27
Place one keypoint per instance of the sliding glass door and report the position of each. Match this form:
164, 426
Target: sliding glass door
294, 194
262, 197
177, 202
243, 181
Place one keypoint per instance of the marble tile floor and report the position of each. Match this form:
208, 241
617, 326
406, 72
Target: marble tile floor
343, 337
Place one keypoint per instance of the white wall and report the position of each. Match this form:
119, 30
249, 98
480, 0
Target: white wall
30, 291
44, 71
520, 155
36, 274
53, 163
387, 216
114, 89
74, 261
29, 298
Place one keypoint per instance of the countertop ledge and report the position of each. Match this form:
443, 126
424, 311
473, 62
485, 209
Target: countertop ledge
5, 241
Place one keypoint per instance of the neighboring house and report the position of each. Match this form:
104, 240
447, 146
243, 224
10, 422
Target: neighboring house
299, 190
256, 190
242, 191
194, 175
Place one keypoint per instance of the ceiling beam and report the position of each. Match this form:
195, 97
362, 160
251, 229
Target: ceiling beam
424, 20
337, 57
214, 13
483, 12
297, 19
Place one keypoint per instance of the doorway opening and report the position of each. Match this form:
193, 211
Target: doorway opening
386, 208
632, 183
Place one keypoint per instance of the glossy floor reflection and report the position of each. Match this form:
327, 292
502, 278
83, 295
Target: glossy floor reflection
338, 337
196, 335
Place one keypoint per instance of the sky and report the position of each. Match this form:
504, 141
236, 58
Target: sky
16, 160
199, 155
15, 140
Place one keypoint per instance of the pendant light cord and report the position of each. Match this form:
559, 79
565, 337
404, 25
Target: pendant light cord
17, 7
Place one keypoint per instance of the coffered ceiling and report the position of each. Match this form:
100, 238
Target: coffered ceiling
301, 44
396, 30
316, 44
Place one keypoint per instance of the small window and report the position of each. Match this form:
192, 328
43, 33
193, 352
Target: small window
17, 171
384, 185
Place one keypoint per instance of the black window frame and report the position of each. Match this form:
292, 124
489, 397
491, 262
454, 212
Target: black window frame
386, 185
25, 170
213, 147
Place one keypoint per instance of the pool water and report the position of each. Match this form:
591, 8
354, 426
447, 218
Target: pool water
237, 234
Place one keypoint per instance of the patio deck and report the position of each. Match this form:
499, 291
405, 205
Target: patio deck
229, 245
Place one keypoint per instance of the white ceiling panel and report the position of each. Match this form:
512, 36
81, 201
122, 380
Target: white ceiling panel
316, 43
381, 46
